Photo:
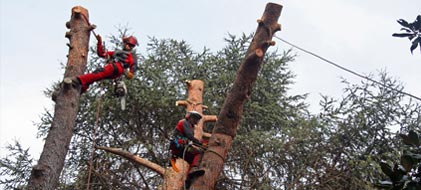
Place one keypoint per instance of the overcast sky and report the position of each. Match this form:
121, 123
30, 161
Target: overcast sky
354, 34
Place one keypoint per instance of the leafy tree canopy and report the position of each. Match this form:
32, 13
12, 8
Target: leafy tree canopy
279, 145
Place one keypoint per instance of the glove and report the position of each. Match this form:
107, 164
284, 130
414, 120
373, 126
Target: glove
99, 38
205, 142
129, 75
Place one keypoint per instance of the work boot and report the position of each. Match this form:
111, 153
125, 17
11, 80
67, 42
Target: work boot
195, 172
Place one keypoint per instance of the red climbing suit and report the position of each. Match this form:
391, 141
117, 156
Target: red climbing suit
113, 69
183, 133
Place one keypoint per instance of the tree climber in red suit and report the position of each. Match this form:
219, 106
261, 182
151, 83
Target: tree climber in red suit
182, 145
117, 63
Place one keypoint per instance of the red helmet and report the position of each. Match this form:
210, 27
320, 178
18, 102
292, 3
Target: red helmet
130, 40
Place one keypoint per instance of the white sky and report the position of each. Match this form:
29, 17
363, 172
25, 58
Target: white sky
354, 34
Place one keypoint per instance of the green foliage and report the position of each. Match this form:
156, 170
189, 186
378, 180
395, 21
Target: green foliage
410, 139
412, 32
15, 167
151, 115
355, 134
279, 145
405, 174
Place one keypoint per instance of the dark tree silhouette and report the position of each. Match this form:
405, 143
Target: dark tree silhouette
412, 31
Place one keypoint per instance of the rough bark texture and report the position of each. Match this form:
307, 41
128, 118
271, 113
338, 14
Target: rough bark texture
175, 180
134, 158
45, 175
232, 110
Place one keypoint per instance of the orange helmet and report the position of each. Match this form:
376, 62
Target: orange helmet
130, 40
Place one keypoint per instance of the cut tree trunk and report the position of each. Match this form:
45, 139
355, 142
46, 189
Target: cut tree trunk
45, 175
174, 180
232, 110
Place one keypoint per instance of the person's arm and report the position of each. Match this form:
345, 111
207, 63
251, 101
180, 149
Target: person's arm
132, 68
189, 132
99, 48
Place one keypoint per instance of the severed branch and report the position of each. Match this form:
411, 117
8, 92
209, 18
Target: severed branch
134, 158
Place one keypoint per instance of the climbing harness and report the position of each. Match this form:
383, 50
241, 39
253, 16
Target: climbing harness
186, 145
120, 88
184, 154
180, 141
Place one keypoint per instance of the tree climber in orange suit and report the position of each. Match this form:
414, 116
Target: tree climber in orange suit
117, 63
182, 145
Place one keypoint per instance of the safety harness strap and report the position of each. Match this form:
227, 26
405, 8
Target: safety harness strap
180, 141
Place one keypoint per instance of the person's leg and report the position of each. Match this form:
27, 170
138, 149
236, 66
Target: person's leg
109, 71
194, 169
87, 79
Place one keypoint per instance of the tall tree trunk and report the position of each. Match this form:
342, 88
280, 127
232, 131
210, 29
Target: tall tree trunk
174, 180
45, 175
232, 110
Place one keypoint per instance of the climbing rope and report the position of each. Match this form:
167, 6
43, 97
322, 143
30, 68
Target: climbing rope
93, 143
198, 145
184, 154
207, 150
348, 70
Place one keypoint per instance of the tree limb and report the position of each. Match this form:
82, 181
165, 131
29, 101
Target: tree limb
134, 158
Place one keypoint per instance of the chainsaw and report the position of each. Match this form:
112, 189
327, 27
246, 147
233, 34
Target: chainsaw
120, 90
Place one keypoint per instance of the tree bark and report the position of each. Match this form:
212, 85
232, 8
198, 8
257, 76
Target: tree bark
134, 158
45, 175
229, 117
174, 180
